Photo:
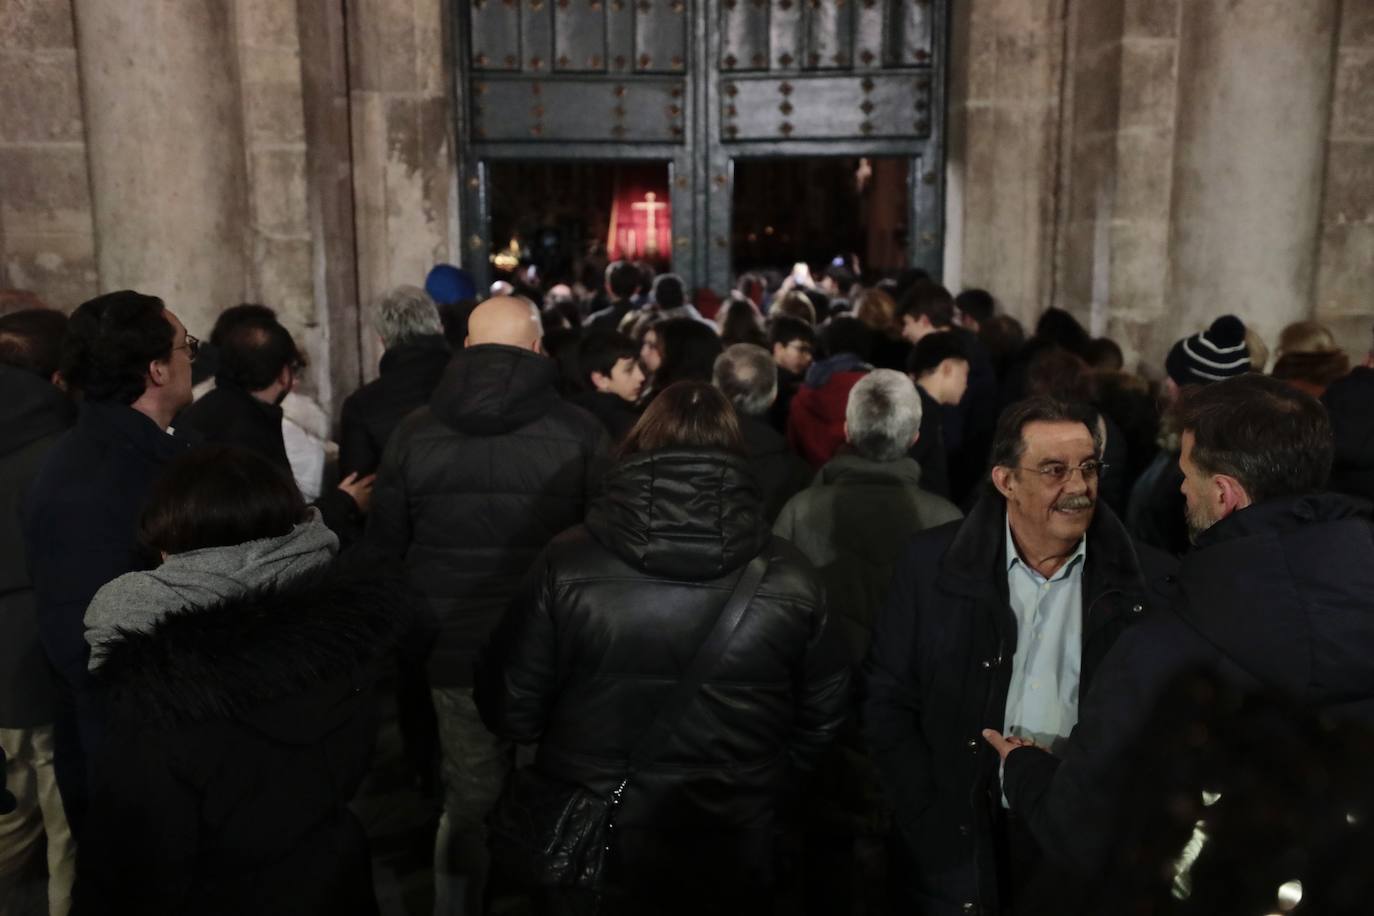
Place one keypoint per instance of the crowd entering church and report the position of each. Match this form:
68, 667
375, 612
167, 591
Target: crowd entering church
843, 595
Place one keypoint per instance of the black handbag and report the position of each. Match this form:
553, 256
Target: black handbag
546, 832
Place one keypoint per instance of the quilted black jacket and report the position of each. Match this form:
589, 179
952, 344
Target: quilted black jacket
608, 620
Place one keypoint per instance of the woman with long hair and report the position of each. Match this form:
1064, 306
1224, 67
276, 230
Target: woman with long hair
606, 624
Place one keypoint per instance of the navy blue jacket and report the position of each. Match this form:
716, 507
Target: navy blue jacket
80, 526
1278, 596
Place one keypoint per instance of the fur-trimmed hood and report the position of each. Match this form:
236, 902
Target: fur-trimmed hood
287, 662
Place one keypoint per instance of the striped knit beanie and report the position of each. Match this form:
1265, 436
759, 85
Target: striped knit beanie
1217, 353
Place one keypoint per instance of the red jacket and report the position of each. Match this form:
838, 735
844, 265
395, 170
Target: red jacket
815, 421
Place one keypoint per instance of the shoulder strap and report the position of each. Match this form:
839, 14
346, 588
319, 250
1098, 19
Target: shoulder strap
705, 660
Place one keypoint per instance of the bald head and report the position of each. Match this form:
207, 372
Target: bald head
507, 320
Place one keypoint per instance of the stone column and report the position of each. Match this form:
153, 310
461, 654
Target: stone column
164, 128
1253, 109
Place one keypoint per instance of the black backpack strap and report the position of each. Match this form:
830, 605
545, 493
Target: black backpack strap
702, 664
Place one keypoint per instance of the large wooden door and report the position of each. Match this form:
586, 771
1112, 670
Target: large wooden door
699, 84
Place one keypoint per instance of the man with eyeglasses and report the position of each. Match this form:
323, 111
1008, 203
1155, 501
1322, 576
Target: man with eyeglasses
130, 359
1274, 599
1000, 622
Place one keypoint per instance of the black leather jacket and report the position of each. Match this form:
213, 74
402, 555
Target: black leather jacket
607, 621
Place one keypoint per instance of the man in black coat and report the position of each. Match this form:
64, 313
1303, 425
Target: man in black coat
1275, 596
623, 282
258, 365
999, 621
131, 359
33, 414
749, 378
471, 488
413, 360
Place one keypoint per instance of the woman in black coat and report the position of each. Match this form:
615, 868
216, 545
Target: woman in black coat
239, 697
607, 621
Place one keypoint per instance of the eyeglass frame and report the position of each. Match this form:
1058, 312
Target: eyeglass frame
1092, 469
192, 345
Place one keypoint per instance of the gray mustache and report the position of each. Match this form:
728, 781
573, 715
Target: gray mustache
1074, 502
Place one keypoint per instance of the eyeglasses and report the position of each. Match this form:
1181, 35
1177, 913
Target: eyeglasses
1058, 472
192, 346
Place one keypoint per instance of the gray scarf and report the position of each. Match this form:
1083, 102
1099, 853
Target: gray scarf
137, 601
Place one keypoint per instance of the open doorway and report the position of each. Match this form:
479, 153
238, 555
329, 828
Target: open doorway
817, 210
551, 219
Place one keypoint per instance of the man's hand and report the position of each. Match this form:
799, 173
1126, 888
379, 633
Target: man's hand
359, 489
1004, 746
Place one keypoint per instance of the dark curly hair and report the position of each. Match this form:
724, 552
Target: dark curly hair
111, 339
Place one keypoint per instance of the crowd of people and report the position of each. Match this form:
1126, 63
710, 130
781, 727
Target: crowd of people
848, 596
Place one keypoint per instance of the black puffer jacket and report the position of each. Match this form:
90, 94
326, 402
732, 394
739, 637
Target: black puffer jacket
1350, 402
237, 736
409, 373
606, 623
473, 486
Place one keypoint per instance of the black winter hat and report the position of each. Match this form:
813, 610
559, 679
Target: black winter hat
1215, 354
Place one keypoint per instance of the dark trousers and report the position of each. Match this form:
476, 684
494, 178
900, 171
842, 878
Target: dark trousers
1018, 858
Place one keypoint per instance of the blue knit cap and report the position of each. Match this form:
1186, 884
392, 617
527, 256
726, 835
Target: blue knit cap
447, 284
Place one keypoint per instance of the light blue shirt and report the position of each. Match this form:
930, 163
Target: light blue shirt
1042, 703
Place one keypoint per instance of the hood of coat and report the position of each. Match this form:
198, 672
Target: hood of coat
272, 659
203, 578
1352, 419
491, 389
31, 409
681, 513
820, 372
1282, 589
849, 467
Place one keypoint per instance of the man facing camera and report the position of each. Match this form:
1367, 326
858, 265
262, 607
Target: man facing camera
999, 621
1274, 598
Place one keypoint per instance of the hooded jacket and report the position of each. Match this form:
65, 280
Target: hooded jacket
238, 733
408, 375
137, 601
606, 623
815, 418
474, 485
1275, 597
1350, 403
33, 414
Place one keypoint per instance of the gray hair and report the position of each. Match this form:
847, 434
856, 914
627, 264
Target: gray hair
404, 313
747, 375
883, 415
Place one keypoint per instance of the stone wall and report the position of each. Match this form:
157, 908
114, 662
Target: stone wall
47, 233
1199, 163
1146, 164
1345, 260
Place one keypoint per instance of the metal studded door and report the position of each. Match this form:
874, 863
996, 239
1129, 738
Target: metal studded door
699, 84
